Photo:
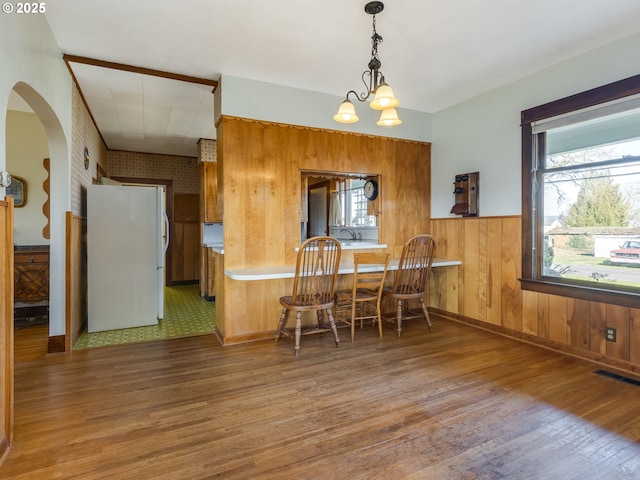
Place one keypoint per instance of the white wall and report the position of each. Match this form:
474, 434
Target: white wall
275, 103
26, 149
483, 133
31, 63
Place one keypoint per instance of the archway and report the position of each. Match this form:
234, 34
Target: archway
59, 204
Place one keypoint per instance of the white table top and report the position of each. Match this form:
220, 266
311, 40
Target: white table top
288, 271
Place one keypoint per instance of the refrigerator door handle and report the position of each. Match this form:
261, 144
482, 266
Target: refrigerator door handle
166, 230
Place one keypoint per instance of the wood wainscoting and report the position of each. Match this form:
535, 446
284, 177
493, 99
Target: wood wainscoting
76, 281
6, 324
486, 292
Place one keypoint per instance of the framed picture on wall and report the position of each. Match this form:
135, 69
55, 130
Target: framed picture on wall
18, 190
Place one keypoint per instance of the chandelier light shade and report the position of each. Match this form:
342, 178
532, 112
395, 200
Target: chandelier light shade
384, 98
346, 113
389, 118
374, 83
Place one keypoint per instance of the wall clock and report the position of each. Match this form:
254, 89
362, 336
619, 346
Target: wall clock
371, 189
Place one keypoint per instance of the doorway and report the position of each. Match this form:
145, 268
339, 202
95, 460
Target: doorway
318, 224
28, 163
54, 147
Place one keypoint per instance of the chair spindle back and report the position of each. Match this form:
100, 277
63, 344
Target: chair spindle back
415, 264
316, 271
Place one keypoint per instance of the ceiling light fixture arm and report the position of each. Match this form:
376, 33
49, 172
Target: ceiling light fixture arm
371, 78
374, 84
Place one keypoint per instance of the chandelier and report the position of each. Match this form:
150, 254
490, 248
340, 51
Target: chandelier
374, 83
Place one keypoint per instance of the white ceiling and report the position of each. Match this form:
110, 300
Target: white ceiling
435, 53
145, 113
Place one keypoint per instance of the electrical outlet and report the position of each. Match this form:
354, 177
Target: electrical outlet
610, 334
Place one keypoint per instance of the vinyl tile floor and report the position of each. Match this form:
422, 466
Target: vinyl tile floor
186, 314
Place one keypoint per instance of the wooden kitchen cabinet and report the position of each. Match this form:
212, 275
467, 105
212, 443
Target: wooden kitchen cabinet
212, 267
31, 274
211, 275
210, 210
203, 270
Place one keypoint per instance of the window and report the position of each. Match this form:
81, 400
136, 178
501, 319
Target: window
581, 195
332, 202
354, 204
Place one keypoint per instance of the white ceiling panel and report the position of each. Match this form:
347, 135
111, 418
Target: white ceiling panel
146, 113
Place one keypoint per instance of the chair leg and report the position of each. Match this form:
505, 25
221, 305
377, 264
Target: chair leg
298, 330
282, 323
332, 324
399, 316
426, 313
379, 319
353, 320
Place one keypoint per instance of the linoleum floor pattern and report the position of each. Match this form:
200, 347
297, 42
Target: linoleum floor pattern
186, 314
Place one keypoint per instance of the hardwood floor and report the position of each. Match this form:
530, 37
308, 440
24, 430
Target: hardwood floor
30, 343
457, 403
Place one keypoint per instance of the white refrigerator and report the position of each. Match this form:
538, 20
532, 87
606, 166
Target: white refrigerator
127, 238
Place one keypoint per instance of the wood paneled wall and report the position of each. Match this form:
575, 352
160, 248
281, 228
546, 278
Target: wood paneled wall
485, 290
6, 324
262, 177
76, 278
262, 163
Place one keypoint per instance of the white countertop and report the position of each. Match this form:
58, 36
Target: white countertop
218, 247
357, 245
288, 271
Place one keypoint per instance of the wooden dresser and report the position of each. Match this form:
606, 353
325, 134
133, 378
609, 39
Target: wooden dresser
31, 282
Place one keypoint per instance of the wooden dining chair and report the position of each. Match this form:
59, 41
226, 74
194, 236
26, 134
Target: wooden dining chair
313, 288
362, 301
411, 279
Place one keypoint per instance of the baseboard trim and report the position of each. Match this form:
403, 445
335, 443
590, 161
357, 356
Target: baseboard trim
177, 283
252, 337
56, 344
4, 449
596, 358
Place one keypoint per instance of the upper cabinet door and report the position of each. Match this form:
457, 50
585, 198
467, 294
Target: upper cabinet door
209, 193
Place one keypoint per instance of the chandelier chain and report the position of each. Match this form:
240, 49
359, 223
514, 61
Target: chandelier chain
375, 40
374, 83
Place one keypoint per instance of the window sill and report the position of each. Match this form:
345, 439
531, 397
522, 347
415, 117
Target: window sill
603, 295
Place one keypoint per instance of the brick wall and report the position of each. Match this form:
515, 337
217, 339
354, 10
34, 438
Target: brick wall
84, 134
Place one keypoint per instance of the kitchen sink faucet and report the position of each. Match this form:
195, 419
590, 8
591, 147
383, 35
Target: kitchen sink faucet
353, 234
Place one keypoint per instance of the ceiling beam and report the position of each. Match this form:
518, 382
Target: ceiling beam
141, 70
